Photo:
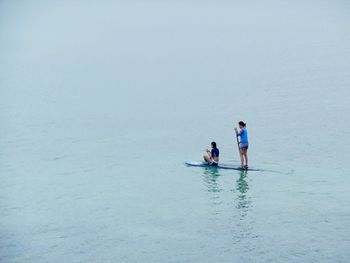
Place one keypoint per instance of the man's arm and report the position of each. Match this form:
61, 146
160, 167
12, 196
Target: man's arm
238, 133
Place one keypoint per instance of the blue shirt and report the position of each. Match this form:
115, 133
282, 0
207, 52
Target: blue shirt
244, 135
215, 152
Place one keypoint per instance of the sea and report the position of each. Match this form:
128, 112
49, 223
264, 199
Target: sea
103, 102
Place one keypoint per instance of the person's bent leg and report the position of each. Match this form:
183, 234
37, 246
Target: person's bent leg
206, 158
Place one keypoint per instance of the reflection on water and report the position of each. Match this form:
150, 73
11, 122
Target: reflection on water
243, 201
230, 196
242, 231
235, 201
210, 177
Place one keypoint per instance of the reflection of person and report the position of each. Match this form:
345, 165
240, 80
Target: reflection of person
243, 143
243, 199
242, 184
212, 157
210, 178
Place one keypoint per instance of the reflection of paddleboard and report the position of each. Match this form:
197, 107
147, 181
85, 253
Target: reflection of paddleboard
220, 166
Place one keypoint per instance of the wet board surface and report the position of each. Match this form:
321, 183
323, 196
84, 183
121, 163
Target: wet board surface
220, 166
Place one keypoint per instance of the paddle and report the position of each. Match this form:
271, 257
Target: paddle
239, 150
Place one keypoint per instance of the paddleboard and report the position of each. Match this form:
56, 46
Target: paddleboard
220, 166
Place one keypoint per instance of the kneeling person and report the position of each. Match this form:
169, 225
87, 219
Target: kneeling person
212, 157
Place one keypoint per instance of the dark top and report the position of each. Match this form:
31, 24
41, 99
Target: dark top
215, 152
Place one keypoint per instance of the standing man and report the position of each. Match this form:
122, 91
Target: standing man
243, 143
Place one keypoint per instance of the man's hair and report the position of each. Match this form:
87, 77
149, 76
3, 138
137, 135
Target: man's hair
213, 144
241, 123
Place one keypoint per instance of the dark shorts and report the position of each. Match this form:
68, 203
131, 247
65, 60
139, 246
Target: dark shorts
243, 146
213, 163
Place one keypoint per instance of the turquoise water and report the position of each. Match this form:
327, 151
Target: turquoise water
102, 102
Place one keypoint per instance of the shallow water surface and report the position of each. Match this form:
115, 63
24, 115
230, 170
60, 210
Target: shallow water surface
102, 102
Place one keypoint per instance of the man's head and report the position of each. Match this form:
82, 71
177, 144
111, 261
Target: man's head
213, 145
241, 124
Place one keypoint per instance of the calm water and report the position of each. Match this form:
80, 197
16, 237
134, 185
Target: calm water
103, 101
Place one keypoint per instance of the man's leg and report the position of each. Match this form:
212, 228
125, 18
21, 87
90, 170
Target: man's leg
246, 156
241, 156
